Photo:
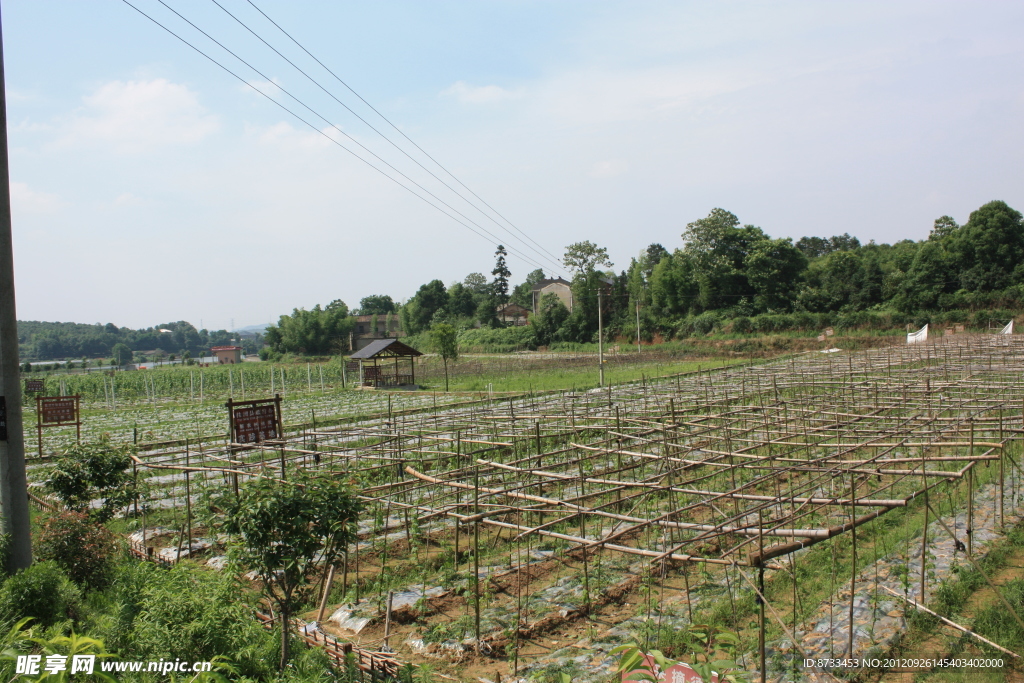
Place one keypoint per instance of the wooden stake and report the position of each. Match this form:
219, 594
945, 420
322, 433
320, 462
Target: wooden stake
387, 619
327, 593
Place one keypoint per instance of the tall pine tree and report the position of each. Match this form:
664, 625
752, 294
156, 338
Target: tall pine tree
501, 274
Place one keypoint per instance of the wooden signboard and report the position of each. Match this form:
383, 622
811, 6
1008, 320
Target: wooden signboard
253, 422
57, 411
34, 386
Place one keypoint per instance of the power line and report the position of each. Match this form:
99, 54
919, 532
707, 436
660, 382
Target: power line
397, 129
329, 123
320, 132
545, 255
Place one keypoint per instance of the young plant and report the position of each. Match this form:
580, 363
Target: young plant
285, 528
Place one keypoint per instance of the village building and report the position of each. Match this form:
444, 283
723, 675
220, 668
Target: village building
512, 314
227, 354
370, 328
560, 287
563, 290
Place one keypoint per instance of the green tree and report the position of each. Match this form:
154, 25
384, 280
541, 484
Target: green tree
523, 292
988, 251
650, 257
674, 288
501, 275
98, 470
931, 275
285, 528
718, 248
381, 304
944, 227
813, 247
462, 302
446, 341
418, 313
774, 269
584, 257
121, 353
551, 315
476, 283
315, 332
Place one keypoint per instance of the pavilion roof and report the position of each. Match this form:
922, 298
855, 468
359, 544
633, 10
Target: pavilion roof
385, 348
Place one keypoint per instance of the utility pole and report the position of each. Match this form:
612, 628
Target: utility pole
600, 335
13, 485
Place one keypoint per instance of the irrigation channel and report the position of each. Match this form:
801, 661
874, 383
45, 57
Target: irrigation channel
540, 531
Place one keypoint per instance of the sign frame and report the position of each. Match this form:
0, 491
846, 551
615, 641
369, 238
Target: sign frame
240, 425
54, 402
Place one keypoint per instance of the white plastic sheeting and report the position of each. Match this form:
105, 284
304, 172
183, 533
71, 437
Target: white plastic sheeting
1008, 329
918, 337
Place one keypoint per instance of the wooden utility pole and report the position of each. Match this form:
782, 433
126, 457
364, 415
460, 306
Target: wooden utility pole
13, 484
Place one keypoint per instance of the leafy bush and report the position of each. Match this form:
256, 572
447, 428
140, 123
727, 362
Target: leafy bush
498, 340
704, 323
193, 614
97, 470
84, 550
42, 592
741, 325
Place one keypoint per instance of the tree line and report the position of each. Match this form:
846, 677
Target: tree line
53, 340
725, 274
722, 274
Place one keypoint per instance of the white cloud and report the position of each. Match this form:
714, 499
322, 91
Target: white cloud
483, 94
25, 199
137, 116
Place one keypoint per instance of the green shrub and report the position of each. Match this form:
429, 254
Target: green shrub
697, 325
194, 614
741, 325
498, 340
98, 470
42, 592
86, 551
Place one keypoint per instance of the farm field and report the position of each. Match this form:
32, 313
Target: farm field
790, 502
176, 403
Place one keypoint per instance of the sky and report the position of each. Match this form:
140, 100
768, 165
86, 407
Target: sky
149, 185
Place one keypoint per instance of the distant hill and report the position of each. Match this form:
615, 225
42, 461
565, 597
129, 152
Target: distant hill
54, 341
253, 329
